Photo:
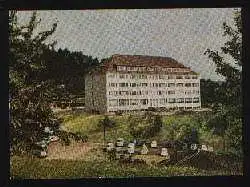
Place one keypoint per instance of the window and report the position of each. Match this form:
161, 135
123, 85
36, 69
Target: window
161, 84
111, 76
188, 100
161, 76
196, 100
133, 76
170, 92
178, 77
133, 93
132, 84
171, 77
123, 84
121, 68
188, 84
195, 84
187, 77
179, 84
159, 92
171, 100
123, 102
133, 102
110, 93
122, 76
144, 84
162, 101
144, 101
188, 92
112, 102
171, 84
113, 84
180, 100
123, 92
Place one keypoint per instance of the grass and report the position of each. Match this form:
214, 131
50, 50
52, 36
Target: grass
35, 168
83, 123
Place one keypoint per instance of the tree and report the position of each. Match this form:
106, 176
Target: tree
68, 68
227, 118
106, 123
230, 71
211, 92
29, 96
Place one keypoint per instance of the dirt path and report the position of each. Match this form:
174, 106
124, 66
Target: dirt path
75, 151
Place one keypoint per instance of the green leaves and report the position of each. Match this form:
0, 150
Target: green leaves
145, 126
29, 96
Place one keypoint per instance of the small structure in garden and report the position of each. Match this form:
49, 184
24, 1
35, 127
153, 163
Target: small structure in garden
110, 146
144, 150
204, 147
164, 152
193, 146
131, 148
154, 144
120, 142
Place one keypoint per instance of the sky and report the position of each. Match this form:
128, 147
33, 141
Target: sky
183, 34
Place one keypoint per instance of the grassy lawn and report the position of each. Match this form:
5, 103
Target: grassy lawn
87, 159
77, 121
35, 168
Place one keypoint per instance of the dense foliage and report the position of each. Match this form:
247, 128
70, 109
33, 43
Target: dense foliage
145, 126
29, 95
38, 75
68, 68
227, 118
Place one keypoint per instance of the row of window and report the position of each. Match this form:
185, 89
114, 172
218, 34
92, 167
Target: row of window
127, 102
143, 68
144, 76
123, 84
159, 92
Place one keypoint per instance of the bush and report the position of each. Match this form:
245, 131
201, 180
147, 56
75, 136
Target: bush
145, 126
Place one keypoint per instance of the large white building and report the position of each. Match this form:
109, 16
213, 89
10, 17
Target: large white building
135, 82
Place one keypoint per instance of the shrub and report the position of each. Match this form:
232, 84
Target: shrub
145, 126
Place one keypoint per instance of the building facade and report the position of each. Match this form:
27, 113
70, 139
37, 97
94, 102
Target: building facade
135, 82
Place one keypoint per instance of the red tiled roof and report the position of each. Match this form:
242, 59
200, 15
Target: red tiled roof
141, 60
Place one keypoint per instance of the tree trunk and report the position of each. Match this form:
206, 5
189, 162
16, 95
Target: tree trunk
104, 135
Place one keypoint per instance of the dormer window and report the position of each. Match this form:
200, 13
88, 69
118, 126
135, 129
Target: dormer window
121, 68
